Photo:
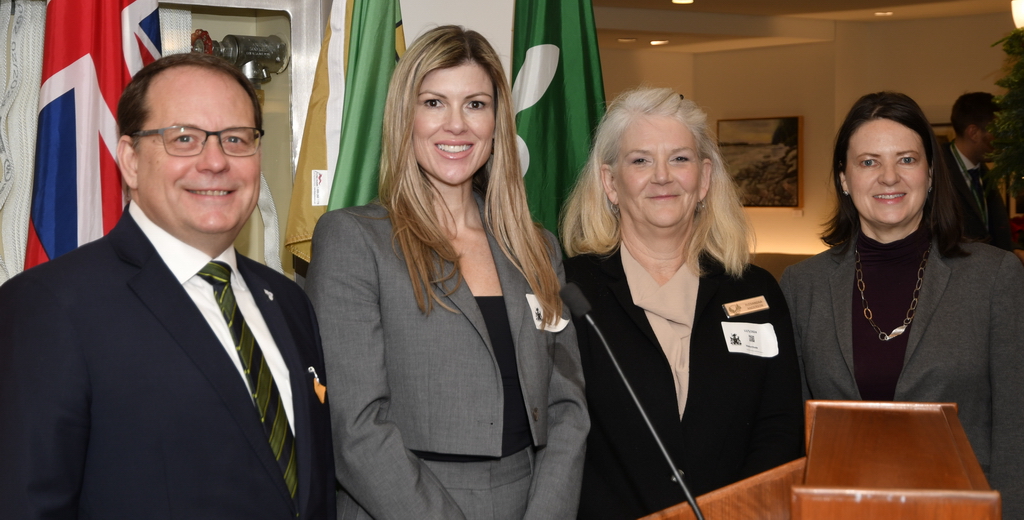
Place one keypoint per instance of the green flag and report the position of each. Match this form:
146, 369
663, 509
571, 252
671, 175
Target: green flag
375, 42
558, 97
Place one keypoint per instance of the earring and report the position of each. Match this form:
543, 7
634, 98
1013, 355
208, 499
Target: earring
846, 193
929, 189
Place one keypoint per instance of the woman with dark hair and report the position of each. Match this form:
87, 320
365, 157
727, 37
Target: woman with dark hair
900, 308
455, 383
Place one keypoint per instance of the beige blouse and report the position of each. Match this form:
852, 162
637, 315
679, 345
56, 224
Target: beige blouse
670, 309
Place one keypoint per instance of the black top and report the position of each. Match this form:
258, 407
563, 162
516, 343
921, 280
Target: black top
890, 276
744, 413
515, 435
516, 432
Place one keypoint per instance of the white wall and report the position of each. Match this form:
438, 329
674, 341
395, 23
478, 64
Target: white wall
792, 80
620, 69
932, 60
491, 18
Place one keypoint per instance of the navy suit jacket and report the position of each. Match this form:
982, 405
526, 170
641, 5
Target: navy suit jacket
118, 401
997, 232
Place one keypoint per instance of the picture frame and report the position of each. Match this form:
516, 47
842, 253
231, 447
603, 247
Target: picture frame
764, 157
944, 133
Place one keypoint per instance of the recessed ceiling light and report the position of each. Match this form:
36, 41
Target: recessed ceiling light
659, 42
627, 40
883, 13
682, 1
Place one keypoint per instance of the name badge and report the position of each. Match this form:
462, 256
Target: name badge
739, 308
756, 339
538, 313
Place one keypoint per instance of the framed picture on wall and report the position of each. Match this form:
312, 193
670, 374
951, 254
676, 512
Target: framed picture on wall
764, 157
944, 133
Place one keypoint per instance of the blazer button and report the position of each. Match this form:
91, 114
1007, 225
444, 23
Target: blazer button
536, 415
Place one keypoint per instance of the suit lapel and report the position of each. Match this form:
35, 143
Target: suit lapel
612, 267
936, 276
514, 288
962, 186
462, 298
966, 193
709, 284
165, 298
840, 283
298, 379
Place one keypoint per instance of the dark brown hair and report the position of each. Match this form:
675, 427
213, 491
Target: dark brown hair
941, 213
133, 108
973, 108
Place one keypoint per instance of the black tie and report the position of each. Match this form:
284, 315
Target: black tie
979, 191
264, 389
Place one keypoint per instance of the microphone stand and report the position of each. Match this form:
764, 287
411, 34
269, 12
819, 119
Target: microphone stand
576, 301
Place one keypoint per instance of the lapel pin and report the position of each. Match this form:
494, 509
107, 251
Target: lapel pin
270, 295
318, 387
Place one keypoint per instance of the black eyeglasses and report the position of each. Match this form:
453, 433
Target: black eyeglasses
187, 141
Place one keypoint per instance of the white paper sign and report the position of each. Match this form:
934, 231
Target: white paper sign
321, 187
756, 339
537, 313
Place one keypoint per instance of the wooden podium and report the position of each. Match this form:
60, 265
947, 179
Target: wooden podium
864, 460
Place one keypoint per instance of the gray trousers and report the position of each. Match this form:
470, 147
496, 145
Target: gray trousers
491, 490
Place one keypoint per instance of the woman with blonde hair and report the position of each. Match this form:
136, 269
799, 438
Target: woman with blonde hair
660, 247
454, 381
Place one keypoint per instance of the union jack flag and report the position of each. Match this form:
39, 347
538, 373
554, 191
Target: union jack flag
90, 52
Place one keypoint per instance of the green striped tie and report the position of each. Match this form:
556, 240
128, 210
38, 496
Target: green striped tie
264, 389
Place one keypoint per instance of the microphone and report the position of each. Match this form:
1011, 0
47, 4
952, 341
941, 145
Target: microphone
578, 305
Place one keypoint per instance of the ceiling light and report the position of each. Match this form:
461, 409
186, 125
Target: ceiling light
627, 40
883, 13
682, 1
659, 42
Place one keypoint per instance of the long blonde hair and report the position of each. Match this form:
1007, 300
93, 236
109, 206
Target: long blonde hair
590, 223
411, 199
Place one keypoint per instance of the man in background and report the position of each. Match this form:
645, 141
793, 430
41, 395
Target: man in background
155, 373
984, 212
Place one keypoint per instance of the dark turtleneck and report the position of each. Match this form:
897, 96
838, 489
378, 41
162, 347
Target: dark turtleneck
890, 276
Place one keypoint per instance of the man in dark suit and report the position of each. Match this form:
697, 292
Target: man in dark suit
155, 373
985, 215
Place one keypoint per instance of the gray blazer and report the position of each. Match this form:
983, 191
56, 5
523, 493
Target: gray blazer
400, 380
966, 346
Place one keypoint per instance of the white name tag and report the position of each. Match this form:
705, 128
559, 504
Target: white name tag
322, 180
756, 339
537, 313
739, 308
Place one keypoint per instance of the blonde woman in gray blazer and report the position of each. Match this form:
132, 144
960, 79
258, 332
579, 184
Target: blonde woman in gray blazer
453, 375
897, 246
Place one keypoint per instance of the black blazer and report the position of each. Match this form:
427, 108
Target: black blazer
744, 414
997, 232
117, 401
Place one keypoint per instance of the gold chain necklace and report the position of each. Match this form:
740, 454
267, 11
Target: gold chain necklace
913, 303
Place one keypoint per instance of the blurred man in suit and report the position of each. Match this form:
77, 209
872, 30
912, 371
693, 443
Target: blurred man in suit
985, 215
155, 373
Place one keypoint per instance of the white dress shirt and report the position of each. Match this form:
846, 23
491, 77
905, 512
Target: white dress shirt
185, 262
968, 164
